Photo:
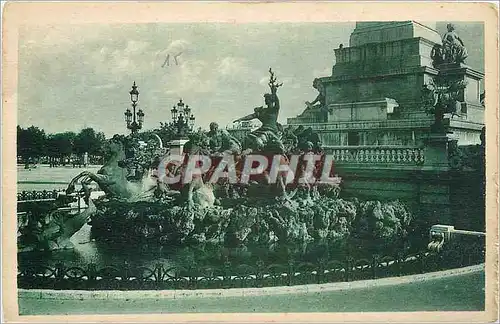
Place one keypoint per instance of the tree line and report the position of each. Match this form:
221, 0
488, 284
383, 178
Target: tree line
34, 145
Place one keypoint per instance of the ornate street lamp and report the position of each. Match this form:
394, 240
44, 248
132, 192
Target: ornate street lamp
182, 119
191, 121
134, 119
140, 117
134, 94
174, 113
128, 117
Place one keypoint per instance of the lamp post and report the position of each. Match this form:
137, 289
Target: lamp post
134, 119
182, 119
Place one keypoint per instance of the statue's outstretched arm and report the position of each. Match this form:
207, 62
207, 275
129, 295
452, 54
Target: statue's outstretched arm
276, 103
460, 40
318, 98
436, 99
245, 118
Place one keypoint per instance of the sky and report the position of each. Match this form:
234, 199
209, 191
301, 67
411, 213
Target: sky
77, 76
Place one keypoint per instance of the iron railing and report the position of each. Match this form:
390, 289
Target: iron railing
37, 195
229, 275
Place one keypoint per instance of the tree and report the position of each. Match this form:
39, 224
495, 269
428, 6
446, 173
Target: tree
31, 142
89, 141
101, 138
166, 131
60, 145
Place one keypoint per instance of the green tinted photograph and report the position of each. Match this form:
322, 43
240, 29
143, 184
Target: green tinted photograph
277, 167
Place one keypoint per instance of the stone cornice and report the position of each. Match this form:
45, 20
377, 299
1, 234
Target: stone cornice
363, 125
467, 70
395, 72
463, 124
413, 39
426, 41
372, 103
387, 124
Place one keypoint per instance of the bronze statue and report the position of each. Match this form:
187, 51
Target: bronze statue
114, 177
308, 140
290, 140
134, 161
453, 49
321, 98
53, 231
268, 116
320, 101
220, 141
215, 140
440, 97
229, 144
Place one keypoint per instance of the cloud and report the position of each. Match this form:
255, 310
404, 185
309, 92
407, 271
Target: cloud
121, 59
232, 66
174, 54
136, 47
50, 39
178, 45
191, 76
264, 80
327, 71
175, 47
206, 76
288, 81
105, 86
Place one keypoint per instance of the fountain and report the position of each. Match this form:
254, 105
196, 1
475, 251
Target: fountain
276, 186
271, 202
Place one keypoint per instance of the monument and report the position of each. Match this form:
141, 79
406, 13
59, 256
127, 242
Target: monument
374, 95
402, 114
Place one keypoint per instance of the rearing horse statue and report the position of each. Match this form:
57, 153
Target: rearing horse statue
112, 179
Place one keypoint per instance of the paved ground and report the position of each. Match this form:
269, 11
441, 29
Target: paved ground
45, 178
458, 293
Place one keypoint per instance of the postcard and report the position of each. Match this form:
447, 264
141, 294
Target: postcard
319, 161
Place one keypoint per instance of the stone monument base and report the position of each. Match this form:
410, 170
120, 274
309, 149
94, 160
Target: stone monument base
177, 146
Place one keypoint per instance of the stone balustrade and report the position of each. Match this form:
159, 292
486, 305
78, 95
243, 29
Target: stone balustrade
377, 154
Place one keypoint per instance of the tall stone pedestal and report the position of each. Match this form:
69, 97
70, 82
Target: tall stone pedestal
467, 126
383, 60
177, 146
435, 179
436, 152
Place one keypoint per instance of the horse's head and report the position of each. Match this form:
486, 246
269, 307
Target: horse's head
115, 145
